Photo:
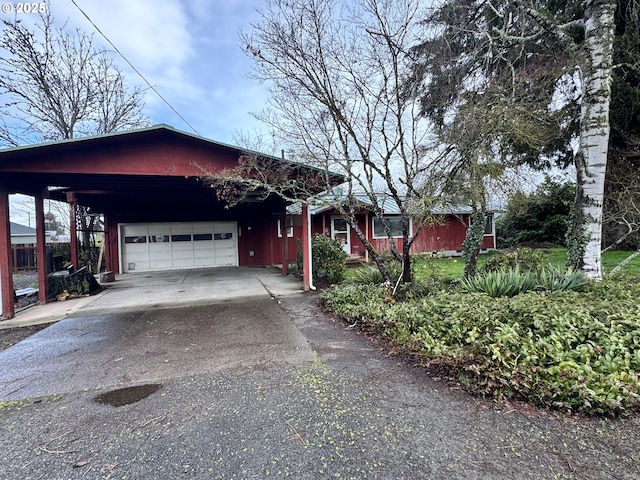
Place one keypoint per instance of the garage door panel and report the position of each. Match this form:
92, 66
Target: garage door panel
165, 246
159, 265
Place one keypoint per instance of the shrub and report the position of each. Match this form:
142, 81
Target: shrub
511, 282
575, 351
367, 275
554, 279
526, 259
370, 274
328, 259
358, 302
541, 216
500, 283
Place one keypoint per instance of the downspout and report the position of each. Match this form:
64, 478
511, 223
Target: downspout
310, 250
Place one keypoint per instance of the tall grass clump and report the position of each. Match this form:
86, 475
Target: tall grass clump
500, 283
511, 282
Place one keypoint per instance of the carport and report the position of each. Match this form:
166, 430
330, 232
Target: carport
158, 213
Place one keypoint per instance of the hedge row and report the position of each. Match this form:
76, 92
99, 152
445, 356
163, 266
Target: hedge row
577, 351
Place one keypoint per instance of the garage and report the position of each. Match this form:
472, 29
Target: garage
166, 246
149, 192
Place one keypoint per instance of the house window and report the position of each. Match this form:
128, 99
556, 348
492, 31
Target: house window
181, 238
488, 226
395, 225
223, 236
289, 228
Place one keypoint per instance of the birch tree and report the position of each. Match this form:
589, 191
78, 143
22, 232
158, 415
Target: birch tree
547, 57
336, 72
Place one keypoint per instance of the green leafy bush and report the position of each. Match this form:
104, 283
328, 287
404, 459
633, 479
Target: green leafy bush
526, 259
576, 351
328, 259
540, 216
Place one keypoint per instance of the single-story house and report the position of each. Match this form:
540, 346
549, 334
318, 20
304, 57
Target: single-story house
157, 211
23, 245
22, 235
443, 236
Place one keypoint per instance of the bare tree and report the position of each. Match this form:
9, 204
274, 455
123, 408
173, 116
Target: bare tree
57, 85
336, 71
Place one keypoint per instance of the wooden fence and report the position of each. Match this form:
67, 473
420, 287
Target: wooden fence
24, 257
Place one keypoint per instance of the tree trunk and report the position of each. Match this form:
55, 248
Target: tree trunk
473, 242
591, 159
406, 251
373, 254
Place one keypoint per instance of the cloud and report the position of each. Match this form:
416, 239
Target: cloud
151, 35
188, 50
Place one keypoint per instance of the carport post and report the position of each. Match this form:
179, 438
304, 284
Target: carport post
41, 249
285, 241
306, 249
73, 229
6, 261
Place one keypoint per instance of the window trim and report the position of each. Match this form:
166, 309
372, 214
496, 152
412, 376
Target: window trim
399, 217
490, 220
490, 216
289, 228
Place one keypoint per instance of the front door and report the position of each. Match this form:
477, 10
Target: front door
340, 230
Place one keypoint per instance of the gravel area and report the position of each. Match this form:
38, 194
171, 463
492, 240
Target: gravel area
25, 279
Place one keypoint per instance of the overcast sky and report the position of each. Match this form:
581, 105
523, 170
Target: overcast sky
188, 50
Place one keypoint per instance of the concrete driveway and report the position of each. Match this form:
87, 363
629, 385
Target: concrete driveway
167, 289
146, 327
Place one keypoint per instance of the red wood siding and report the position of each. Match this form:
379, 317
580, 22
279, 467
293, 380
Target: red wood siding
446, 236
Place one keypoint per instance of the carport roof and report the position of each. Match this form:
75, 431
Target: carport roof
12, 153
108, 168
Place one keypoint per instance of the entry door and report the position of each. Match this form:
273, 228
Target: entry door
340, 230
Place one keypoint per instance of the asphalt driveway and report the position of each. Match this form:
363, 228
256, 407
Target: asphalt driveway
108, 350
269, 386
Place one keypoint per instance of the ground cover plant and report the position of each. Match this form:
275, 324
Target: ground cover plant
575, 350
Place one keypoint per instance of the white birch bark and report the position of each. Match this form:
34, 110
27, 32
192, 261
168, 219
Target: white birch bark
591, 159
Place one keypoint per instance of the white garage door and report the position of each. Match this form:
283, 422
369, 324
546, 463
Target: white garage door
167, 246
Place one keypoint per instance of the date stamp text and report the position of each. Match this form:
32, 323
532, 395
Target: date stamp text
20, 8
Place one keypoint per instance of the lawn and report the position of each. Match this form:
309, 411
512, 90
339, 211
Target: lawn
454, 267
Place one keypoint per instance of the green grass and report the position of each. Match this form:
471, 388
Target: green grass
454, 267
611, 259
